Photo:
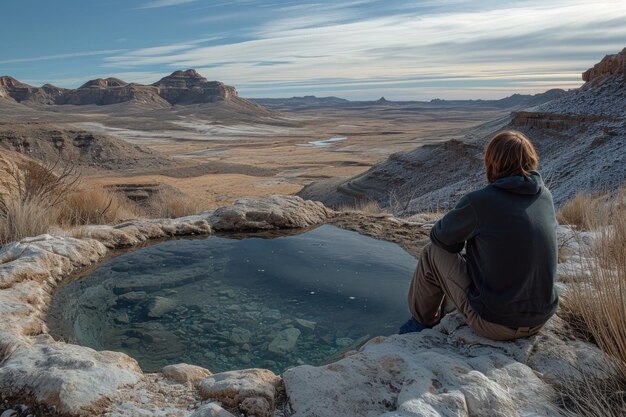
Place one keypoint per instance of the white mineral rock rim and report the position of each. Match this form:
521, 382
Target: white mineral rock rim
444, 371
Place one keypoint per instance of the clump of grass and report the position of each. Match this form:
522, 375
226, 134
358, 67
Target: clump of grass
363, 206
581, 211
170, 204
597, 306
427, 216
19, 219
30, 197
97, 205
34, 197
593, 396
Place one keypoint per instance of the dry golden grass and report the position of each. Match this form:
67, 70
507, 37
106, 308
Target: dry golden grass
168, 204
601, 301
427, 216
596, 306
363, 206
30, 194
96, 205
593, 396
581, 210
35, 197
20, 219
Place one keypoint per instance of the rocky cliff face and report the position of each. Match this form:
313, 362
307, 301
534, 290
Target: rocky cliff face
48, 142
610, 65
189, 87
181, 87
21, 92
100, 95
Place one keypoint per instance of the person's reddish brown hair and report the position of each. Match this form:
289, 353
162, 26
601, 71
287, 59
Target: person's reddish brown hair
510, 153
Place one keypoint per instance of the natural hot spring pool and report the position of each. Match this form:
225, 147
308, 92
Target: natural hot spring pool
229, 303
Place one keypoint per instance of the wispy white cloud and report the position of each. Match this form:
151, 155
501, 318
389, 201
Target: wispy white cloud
60, 56
163, 3
524, 46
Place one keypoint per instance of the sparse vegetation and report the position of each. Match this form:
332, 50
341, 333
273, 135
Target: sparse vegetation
400, 199
581, 211
168, 204
596, 306
34, 197
31, 196
594, 396
363, 206
96, 205
19, 219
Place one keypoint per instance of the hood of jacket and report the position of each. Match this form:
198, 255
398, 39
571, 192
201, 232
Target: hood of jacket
520, 184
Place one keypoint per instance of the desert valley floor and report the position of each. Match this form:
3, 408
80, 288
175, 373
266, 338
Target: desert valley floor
217, 159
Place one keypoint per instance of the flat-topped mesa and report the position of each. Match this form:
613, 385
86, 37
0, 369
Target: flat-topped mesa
189, 87
609, 66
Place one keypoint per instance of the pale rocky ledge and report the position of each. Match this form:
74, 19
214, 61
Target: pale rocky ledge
445, 371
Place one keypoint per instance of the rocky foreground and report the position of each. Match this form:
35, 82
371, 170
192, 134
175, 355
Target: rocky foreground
445, 371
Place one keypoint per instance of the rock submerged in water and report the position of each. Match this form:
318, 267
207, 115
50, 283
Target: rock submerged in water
240, 336
344, 342
305, 325
122, 318
132, 297
157, 307
285, 341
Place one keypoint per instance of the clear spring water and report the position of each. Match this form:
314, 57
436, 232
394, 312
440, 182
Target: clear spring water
227, 302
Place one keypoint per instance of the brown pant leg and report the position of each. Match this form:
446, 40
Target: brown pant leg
441, 274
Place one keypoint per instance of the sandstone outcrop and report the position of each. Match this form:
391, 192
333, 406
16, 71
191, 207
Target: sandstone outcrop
610, 65
48, 142
179, 88
189, 87
21, 92
552, 121
103, 92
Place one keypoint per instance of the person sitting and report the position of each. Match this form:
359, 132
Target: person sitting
504, 284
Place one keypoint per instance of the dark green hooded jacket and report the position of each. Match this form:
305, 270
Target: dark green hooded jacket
509, 231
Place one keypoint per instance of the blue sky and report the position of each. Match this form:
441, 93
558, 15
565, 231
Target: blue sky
358, 49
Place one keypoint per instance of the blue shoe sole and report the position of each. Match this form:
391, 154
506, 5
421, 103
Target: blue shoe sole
411, 326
